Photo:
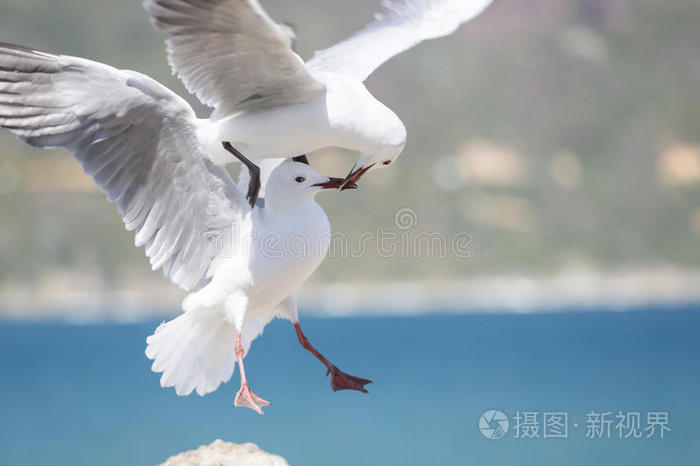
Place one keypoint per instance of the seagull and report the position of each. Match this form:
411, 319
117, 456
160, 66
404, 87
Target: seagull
138, 141
268, 102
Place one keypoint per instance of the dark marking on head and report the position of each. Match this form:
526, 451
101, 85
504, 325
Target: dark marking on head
301, 159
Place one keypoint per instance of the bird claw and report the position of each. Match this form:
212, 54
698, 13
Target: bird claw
245, 398
342, 381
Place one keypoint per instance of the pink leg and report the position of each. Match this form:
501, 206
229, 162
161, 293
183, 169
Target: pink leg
339, 379
246, 398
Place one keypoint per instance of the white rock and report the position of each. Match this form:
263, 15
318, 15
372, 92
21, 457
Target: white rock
221, 453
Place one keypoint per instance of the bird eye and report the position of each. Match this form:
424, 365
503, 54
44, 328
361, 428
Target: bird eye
299, 179
386, 162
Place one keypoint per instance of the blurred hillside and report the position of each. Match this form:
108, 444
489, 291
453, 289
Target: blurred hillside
551, 134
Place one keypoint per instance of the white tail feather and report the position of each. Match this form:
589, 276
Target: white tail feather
194, 351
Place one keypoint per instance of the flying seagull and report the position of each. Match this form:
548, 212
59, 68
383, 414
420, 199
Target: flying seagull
138, 141
268, 102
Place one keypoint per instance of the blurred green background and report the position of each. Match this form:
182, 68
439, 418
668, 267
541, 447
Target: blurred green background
559, 135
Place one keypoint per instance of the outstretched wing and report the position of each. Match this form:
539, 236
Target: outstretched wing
137, 140
398, 26
231, 54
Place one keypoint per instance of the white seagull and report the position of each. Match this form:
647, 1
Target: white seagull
138, 141
270, 103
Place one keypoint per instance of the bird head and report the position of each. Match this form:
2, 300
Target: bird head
370, 161
294, 181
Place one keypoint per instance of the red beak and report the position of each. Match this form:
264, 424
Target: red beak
335, 183
353, 176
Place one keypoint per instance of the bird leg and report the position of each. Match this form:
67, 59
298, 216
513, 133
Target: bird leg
254, 171
339, 379
301, 159
245, 397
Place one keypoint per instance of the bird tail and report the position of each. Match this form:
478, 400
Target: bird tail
194, 351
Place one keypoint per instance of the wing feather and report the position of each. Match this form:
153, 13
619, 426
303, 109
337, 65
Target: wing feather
138, 142
231, 54
398, 26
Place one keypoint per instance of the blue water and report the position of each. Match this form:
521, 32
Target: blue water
84, 395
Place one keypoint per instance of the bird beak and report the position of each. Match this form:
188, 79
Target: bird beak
354, 175
335, 183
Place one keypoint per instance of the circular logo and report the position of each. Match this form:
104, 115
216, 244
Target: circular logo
493, 424
405, 218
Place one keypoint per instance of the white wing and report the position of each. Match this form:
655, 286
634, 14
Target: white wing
231, 54
398, 26
137, 140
